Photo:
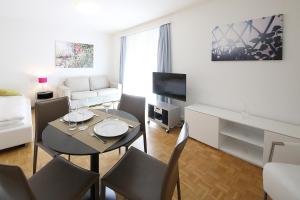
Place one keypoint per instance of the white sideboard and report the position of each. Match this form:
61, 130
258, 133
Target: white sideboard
245, 136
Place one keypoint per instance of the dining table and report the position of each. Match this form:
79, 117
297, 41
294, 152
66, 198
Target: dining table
63, 143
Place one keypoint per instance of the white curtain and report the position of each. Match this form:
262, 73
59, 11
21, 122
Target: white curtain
122, 59
140, 62
164, 54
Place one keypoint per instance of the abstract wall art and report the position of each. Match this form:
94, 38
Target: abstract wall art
73, 55
256, 39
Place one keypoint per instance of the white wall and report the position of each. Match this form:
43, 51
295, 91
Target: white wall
28, 51
266, 88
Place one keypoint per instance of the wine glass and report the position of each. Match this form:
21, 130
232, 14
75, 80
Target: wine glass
83, 108
72, 111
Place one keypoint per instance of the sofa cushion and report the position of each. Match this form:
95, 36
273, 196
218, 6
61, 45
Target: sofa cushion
108, 92
98, 82
83, 95
77, 84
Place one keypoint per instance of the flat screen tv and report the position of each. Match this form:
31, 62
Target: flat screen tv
170, 85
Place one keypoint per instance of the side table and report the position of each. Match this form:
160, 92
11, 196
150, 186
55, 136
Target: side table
44, 95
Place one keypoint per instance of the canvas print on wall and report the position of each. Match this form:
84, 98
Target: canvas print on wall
73, 55
257, 39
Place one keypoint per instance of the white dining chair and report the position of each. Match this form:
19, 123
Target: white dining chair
281, 180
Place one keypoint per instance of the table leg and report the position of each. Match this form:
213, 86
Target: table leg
95, 168
94, 192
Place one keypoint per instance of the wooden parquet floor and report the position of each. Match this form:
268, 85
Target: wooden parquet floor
205, 173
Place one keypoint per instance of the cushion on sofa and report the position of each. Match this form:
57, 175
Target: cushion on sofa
77, 84
5, 92
83, 95
108, 92
98, 82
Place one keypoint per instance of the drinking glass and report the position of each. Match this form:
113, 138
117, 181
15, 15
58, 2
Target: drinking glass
106, 106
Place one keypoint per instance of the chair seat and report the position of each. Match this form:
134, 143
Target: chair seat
61, 180
281, 181
137, 176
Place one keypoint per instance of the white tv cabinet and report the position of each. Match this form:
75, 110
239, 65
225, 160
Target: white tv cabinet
245, 136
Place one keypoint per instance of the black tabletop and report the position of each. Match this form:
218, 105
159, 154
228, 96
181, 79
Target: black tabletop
65, 144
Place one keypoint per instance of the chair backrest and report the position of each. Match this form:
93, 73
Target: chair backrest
134, 105
47, 111
172, 173
13, 184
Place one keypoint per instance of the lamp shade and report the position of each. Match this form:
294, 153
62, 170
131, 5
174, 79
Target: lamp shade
42, 79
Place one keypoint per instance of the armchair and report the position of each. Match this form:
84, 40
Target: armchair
282, 180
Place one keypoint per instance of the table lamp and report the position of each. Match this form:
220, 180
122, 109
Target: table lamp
43, 94
42, 81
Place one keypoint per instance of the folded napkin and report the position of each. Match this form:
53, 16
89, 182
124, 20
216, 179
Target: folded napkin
12, 108
11, 122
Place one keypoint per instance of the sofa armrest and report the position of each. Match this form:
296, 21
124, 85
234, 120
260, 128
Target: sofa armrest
288, 148
63, 91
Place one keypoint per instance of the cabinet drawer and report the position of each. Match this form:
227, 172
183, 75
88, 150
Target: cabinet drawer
203, 127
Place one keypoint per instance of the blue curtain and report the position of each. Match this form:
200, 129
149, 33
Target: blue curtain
164, 54
122, 59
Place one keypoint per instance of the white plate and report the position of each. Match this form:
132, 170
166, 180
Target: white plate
111, 128
79, 116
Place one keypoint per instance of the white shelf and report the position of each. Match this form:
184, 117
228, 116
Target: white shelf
242, 150
244, 133
287, 129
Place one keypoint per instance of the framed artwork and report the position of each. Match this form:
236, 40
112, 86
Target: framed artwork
255, 39
73, 55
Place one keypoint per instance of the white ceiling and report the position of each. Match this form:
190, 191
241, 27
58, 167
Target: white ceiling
103, 15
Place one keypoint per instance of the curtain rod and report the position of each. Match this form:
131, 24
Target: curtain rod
142, 28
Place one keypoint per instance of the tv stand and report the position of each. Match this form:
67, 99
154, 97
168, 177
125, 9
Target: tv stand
164, 114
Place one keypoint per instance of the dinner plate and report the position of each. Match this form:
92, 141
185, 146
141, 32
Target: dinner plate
78, 116
111, 128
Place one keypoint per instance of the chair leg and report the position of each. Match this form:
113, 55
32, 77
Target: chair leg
102, 194
126, 148
35, 154
145, 142
69, 157
119, 150
178, 189
265, 196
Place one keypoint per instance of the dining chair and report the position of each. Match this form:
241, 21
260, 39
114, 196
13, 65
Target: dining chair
138, 176
281, 178
45, 112
59, 180
136, 106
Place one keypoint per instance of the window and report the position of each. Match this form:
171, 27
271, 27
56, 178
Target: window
140, 62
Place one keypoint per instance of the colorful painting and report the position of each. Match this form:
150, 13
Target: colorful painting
258, 39
73, 55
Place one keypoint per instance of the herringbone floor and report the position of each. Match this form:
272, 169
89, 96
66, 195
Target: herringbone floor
206, 173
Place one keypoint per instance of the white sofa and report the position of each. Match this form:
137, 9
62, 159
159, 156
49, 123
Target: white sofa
15, 121
97, 89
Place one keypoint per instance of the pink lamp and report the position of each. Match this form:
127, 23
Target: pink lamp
42, 79
43, 82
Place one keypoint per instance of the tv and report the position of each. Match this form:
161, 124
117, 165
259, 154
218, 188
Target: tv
169, 85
